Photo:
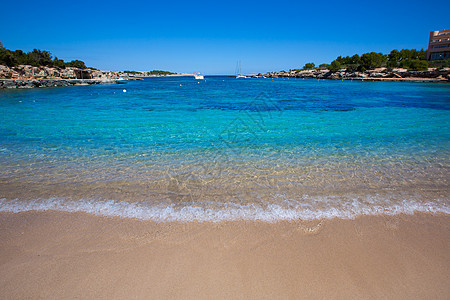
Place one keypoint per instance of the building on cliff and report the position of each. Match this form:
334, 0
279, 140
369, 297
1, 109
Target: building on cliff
439, 45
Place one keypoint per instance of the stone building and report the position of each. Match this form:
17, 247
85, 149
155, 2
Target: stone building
439, 45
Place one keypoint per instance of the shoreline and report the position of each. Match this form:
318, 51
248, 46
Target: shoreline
410, 79
217, 212
378, 74
60, 82
78, 255
26, 76
44, 83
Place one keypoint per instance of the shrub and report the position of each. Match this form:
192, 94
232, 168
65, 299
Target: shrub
392, 64
361, 69
76, 64
418, 65
352, 68
309, 66
372, 60
335, 66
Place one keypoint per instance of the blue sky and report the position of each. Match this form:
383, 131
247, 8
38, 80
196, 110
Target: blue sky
211, 36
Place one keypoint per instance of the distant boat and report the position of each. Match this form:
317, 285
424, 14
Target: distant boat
239, 70
198, 75
121, 80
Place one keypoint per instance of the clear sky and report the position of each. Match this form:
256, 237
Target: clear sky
211, 36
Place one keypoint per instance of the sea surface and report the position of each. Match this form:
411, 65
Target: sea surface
180, 149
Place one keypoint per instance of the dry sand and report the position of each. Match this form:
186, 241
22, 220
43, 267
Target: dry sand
75, 255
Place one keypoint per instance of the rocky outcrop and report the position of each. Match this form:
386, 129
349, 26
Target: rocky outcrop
442, 75
25, 76
30, 72
34, 83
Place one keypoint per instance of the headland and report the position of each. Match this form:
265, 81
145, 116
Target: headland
27, 76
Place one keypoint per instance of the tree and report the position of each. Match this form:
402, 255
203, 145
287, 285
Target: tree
35, 58
405, 54
422, 54
335, 66
76, 64
418, 65
21, 57
393, 59
159, 72
392, 64
414, 54
39, 58
59, 63
309, 66
355, 59
352, 67
6, 58
324, 66
394, 56
372, 60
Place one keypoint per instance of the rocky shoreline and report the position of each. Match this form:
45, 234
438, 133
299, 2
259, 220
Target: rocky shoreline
379, 74
37, 83
25, 76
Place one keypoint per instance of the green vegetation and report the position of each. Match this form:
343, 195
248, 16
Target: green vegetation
76, 64
372, 60
132, 72
441, 63
411, 59
159, 72
417, 65
408, 59
309, 66
335, 66
35, 58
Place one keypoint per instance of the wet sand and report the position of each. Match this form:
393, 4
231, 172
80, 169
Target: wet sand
76, 255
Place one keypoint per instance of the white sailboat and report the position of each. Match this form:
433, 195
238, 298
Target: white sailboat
198, 75
239, 70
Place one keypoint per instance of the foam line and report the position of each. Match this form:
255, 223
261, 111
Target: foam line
217, 212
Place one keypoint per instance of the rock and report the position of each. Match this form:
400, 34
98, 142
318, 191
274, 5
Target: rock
68, 73
376, 74
5, 72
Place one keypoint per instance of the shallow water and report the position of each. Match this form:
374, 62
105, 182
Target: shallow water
227, 149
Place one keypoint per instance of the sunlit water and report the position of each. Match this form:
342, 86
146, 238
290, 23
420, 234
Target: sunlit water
179, 149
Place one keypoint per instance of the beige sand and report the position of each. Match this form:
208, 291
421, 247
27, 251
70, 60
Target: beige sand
61, 255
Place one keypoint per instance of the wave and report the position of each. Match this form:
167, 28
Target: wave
217, 212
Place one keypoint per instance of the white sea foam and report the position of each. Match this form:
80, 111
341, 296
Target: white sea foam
217, 212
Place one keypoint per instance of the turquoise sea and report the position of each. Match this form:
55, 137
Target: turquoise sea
180, 149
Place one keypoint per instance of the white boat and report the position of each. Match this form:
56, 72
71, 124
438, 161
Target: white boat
239, 70
198, 75
121, 80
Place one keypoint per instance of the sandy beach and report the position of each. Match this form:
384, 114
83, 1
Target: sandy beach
77, 255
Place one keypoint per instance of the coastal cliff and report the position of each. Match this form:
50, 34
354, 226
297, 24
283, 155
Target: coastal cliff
30, 72
26, 76
381, 74
53, 82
